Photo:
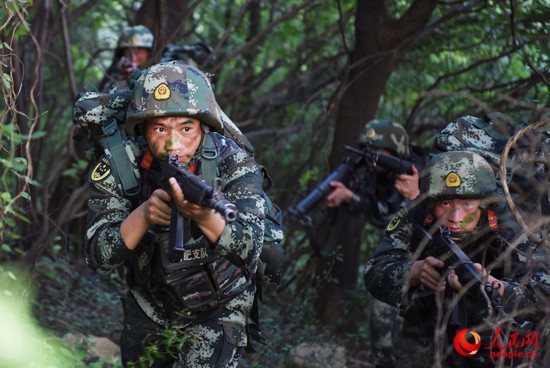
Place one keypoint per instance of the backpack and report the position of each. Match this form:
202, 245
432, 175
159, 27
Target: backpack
270, 263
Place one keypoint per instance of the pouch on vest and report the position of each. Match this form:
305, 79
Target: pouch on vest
195, 279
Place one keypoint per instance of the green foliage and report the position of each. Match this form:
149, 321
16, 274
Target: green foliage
13, 199
76, 169
280, 89
20, 332
490, 53
309, 177
169, 345
293, 50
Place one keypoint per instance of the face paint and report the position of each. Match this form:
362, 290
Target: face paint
459, 215
176, 135
470, 218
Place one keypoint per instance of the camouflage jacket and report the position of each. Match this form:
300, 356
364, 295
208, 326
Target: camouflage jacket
525, 269
105, 250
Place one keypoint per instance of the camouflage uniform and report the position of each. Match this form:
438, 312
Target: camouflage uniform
206, 326
376, 200
131, 37
525, 269
375, 197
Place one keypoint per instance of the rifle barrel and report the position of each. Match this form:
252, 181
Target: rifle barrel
392, 163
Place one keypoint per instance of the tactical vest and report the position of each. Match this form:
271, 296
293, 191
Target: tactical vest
195, 278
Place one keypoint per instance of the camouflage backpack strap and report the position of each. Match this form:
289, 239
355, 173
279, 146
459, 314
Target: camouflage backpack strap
122, 159
209, 160
101, 115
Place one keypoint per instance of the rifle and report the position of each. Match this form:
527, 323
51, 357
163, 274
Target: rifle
450, 253
196, 191
343, 173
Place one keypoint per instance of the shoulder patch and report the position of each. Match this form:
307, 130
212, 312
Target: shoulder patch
396, 220
101, 171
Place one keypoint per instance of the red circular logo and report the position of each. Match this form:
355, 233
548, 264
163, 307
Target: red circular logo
463, 346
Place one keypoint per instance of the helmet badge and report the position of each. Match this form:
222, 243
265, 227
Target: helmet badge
452, 180
371, 133
162, 92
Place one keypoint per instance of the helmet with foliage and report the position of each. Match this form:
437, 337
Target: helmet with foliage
387, 135
173, 89
479, 135
135, 36
456, 175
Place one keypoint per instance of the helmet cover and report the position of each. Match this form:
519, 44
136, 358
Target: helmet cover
173, 89
457, 175
387, 135
135, 36
469, 133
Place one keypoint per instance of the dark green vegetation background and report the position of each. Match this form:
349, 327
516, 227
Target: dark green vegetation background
300, 77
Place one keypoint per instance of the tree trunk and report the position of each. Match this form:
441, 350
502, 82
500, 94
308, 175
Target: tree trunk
379, 44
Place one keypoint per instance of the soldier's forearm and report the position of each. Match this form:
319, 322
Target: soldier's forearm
134, 227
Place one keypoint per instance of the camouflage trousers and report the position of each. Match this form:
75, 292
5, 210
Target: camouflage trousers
384, 327
206, 342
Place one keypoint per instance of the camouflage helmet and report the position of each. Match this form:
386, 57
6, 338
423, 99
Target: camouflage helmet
469, 133
457, 174
173, 89
135, 36
386, 134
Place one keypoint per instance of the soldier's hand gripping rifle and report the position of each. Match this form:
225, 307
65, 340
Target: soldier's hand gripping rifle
343, 174
196, 191
454, 258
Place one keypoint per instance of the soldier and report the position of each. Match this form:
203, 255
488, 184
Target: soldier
379, 193
376, 197
528, 172
132, 52
457, 194
184, 308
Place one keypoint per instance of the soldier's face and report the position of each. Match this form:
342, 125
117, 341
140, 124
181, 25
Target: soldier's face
459, 215
174, 135
138, 55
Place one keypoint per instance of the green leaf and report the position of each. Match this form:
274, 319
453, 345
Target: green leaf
69, 172
6, 45
6, 196
38, 134
6, 79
